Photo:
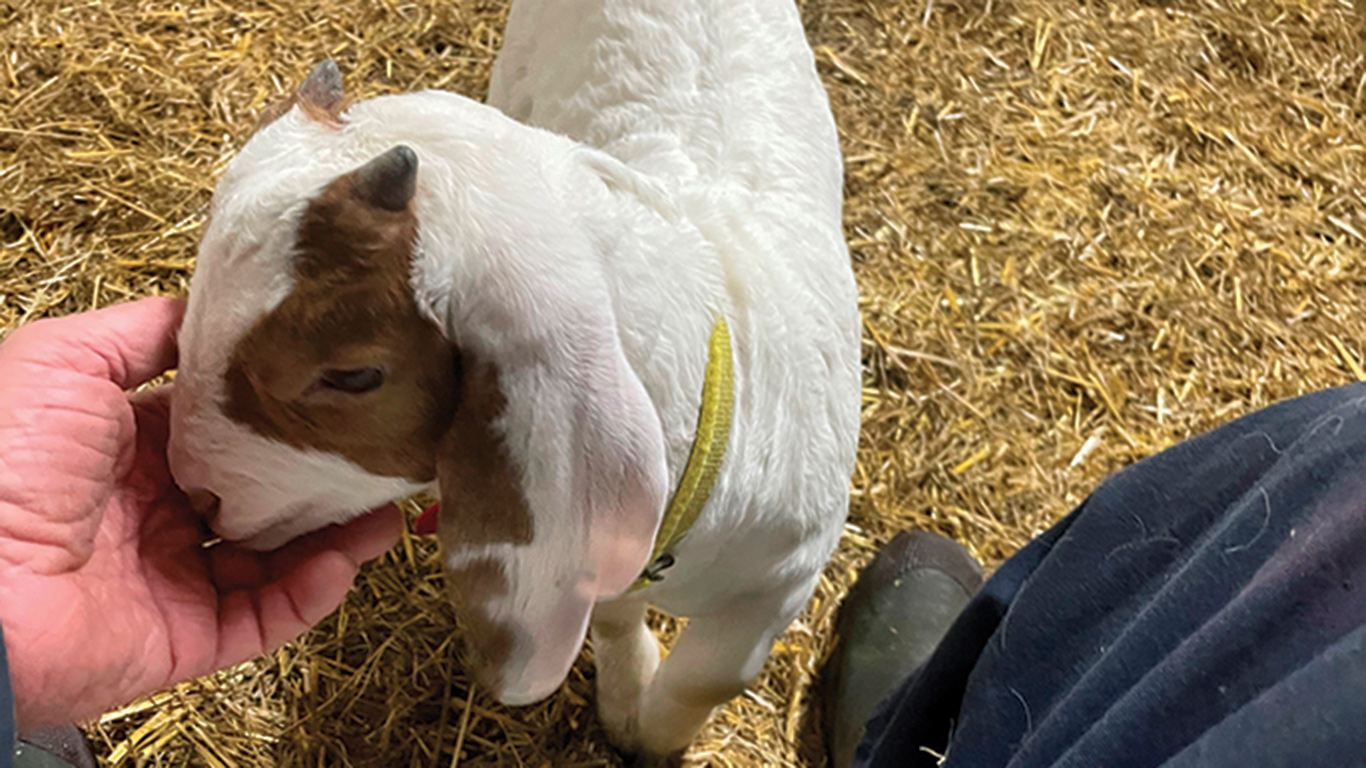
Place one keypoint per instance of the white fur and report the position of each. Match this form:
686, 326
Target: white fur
667, 160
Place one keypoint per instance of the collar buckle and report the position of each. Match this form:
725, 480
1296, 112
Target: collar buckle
655, 571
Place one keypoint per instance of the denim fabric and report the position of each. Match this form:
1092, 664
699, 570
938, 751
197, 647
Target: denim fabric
9, 739
1204, 607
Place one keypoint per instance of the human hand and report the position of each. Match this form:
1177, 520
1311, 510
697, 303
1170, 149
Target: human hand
106, 592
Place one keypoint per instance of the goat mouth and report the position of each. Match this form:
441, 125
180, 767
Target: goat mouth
288, 527
266, 540
205, 504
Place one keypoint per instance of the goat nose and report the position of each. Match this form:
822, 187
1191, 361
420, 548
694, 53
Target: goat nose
205, 504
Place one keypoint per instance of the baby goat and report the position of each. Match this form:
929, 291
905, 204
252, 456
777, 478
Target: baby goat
609, 316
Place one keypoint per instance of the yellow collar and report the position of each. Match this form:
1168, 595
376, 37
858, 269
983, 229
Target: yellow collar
704, 462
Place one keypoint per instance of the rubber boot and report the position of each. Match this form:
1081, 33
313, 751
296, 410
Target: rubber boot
895, 615
60, 747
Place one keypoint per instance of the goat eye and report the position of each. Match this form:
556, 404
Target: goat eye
353, 381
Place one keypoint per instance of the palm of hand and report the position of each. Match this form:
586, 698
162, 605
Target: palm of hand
106, 591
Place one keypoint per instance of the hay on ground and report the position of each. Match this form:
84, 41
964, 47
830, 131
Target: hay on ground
1083, 231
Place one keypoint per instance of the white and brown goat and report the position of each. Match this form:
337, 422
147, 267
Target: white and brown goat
518, 304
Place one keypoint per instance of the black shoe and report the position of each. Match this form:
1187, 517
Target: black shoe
892, 620
61, 747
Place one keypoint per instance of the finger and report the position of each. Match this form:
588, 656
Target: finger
152, 416
311, 577
253, 622
128, 344
156, 400
368, 536
234, 568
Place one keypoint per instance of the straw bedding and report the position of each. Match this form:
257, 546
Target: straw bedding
1083, 230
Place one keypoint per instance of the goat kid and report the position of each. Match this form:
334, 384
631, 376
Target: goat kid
609, 317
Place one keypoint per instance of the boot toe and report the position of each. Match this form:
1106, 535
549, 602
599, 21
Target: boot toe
903, 603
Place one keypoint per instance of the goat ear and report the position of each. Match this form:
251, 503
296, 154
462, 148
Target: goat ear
553, 483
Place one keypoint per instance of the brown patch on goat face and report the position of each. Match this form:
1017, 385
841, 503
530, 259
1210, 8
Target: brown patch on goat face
352, 308
471, 588
481, 500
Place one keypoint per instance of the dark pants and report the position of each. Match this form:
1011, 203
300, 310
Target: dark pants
1204, 607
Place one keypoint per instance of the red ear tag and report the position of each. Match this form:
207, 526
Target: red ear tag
425, 525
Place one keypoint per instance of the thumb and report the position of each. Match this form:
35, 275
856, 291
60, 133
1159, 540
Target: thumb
128, 344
